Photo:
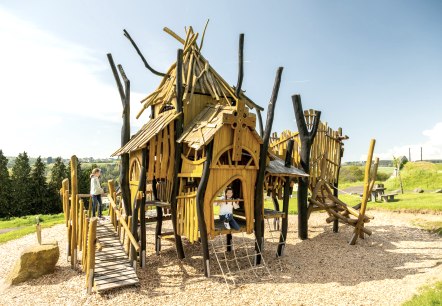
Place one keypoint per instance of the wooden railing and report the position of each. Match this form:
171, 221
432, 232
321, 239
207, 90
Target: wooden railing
120, 223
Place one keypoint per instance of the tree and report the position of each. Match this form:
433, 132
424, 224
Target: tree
5, 187
21, 183
399, 163
58, 173
39, 188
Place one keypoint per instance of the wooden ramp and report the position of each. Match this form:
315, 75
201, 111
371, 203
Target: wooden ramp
112, 266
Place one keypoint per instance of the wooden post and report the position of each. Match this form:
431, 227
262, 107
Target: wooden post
91, 254
200, 207
159, 218
125, 132
139, 201
306, 138
143, 209
286, 199
240, 66
178, 151
74, 217
259, 197
261, 130
80, 225
141, 55
336, 183
65, 189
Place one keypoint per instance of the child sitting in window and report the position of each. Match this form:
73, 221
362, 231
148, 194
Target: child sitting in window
226, 210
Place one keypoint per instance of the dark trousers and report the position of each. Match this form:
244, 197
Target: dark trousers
96, 201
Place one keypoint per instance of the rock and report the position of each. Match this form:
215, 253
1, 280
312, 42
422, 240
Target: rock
418, 190
34, 262
438, 191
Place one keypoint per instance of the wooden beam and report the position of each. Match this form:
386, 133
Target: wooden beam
259, 197
240, 65
141, 55
125, 132
286, 199
178, 151
200, 208
306, 138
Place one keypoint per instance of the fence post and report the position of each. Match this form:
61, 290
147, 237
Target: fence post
91, 254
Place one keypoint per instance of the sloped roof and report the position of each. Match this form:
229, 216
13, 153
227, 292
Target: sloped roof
150, 129
276, 167
202, 129
198, 77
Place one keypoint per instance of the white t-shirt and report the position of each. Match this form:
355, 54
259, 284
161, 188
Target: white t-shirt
95, 186
227, 207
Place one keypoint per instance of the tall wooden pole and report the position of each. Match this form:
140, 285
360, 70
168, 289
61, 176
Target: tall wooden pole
143, 210
125, 132
74, 211
240, 65
286, 199
336, 183
178, 150
306, 138
200, 207
126, 34
259, 196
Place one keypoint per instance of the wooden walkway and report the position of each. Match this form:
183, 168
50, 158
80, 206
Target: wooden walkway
112, 266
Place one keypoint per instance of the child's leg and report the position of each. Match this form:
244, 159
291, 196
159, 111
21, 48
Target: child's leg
100, 206
94, 205
234, 224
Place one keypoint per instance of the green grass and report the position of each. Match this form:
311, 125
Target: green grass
29, 220
430, 295
26, 225
425, 175
431, 226
407, 202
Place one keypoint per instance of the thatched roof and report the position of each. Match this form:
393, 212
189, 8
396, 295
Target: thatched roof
198, 77
149, 130
202, 129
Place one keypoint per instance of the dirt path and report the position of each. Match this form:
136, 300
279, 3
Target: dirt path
6, 230
385, 269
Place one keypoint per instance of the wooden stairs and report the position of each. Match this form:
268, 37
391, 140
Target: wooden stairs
112, 266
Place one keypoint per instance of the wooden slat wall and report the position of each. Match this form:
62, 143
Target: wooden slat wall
187, 219
326, 143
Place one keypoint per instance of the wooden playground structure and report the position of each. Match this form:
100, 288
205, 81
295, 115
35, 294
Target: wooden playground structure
201, 138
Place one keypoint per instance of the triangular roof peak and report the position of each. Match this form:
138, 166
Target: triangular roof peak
198, 78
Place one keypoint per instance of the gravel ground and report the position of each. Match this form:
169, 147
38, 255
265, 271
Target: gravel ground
385, 269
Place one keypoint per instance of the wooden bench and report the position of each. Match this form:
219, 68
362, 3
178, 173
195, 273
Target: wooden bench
388, 197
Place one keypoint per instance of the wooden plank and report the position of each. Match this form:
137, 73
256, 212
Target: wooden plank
116, 284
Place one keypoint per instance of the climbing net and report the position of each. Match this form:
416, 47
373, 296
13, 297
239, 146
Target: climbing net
236, 259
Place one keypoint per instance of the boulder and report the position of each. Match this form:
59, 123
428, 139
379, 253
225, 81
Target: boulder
418, 190
438, 191
34, 262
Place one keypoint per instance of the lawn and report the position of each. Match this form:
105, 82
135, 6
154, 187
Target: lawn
26, 225
431, 295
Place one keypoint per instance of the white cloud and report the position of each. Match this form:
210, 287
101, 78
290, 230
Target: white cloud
46, 80
431, 147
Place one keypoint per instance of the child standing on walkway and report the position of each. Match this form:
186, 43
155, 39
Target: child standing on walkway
96, 192
226, 210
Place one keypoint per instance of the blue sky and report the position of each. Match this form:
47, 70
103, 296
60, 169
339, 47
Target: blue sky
373, 68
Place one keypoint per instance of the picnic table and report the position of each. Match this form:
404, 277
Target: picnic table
378, 191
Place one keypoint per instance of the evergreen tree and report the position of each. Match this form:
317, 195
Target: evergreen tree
39, 188
58, 173
21, 183
5, 187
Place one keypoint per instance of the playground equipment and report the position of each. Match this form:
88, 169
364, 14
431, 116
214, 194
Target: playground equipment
201, 138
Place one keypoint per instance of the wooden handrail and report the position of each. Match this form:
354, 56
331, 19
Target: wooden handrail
125, 226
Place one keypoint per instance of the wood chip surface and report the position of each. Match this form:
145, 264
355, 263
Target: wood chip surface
385, 269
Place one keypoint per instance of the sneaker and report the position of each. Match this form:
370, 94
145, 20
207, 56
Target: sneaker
227, 225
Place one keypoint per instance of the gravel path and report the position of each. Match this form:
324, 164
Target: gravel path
385, 269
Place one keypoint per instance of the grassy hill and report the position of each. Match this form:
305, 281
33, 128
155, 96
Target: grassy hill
425, 175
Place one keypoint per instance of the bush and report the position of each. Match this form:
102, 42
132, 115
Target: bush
351, 174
